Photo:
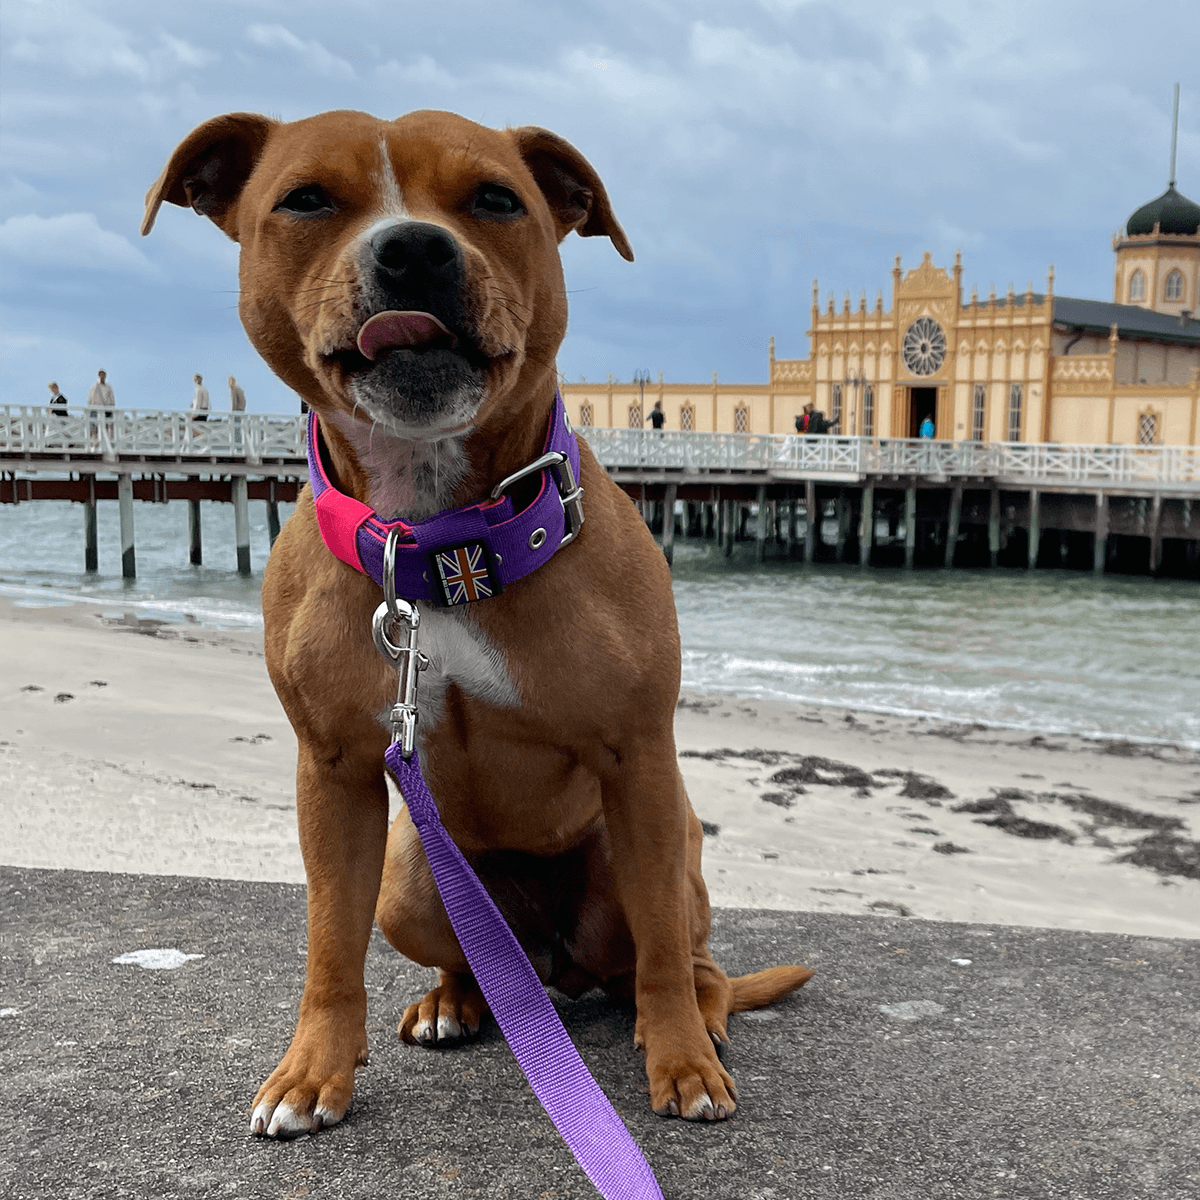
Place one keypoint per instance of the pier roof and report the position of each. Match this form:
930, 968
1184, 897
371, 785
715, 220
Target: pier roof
1132, 322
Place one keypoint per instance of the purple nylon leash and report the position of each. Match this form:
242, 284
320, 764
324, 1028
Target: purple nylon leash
573, 1100
581, 1112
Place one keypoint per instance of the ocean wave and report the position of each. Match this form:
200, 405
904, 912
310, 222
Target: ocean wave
213, 613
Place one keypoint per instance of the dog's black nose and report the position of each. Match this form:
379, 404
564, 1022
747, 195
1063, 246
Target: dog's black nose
416, 252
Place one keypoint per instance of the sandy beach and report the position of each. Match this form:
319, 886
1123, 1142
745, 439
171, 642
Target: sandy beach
133, 746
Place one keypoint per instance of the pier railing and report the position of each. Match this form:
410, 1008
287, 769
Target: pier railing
787, 454
123, 433
31, 432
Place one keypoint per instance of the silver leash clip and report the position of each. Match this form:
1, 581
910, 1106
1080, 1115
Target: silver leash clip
394, 628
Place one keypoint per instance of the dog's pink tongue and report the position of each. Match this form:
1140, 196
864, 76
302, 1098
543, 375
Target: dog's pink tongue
387, 329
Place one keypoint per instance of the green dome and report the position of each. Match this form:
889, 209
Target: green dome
1171, 212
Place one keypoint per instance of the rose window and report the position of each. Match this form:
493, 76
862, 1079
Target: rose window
924, 347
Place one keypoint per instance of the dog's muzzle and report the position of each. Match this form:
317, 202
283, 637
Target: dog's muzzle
416, 360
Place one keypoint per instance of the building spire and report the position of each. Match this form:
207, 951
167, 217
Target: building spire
1174, 136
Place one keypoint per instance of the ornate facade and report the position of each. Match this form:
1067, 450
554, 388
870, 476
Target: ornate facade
1028, 367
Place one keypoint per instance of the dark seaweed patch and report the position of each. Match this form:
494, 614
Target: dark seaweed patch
1166, 853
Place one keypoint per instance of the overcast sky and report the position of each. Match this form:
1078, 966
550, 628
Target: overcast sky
747, 145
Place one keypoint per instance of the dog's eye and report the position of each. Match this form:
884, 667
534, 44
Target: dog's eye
496, 201
310, 198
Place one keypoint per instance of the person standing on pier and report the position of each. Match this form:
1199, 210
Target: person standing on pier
58, 402
199, 399
657, 416
237, 396
100, 397
926, 430
237, 406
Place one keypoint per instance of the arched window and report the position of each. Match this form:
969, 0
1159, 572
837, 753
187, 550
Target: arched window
1148, 428
1137, 286
1015, 395
835, 404
587, 416
978, 411
1174, 286
687, 418
741, 419
868, 421
635, 416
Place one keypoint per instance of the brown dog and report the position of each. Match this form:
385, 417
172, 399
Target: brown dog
547, 711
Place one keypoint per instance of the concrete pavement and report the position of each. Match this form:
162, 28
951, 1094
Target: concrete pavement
1052, 1064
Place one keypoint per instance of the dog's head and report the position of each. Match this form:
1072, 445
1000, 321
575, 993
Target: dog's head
406, 271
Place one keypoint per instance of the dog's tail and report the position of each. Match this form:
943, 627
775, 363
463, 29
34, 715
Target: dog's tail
765, 987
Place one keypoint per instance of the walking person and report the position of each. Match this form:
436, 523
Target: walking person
237, 396
657, 416
102, 403
237, 406
926, 430
199, 408
58, 409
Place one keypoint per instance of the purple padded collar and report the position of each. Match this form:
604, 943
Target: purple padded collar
462, 554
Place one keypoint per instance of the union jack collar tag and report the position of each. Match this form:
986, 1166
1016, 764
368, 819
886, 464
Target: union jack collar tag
465, 574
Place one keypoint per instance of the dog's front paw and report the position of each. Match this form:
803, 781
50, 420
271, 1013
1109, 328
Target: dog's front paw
309, 1091
689, 1081
451, 1013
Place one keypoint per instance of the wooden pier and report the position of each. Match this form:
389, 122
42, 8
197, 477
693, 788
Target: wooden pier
902, 502
86, 455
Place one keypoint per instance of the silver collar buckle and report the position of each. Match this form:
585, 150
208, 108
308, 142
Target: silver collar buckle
570, 494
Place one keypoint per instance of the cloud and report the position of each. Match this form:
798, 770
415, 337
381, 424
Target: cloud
73, 240
311, 53
187, 53
68, 36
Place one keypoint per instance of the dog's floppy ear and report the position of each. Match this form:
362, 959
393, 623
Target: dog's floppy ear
209, 169
571, 187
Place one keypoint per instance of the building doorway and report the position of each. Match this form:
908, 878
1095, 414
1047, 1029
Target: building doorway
923, 404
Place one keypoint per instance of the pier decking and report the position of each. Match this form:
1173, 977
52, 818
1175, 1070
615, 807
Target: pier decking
823, 499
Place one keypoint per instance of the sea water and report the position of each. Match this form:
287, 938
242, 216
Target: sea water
1049, 651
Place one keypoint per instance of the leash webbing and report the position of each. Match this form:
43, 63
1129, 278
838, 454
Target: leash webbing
543, 1049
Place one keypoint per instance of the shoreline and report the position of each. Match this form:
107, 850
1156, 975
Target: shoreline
177, 622
159, 747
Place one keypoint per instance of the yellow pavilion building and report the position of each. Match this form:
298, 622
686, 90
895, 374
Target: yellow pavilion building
1024, 367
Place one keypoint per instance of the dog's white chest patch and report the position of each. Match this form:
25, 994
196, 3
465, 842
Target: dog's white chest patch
459, 652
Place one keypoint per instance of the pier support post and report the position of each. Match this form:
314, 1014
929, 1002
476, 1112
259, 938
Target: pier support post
1035, 529
812, 521
842, 509
1100, 544
195, 542
866, 526
994, 527
910, 527
272, 514
791, 525
1156, 533
91, 544
760, 532
729, 509
956, 497
668, 534
241, 523
125, 501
